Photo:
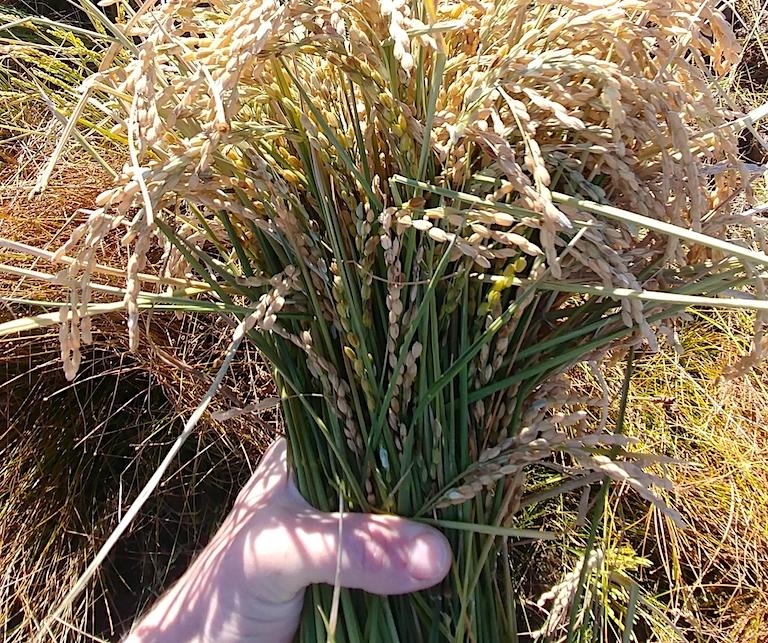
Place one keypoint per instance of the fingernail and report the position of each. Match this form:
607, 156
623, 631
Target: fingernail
429, 557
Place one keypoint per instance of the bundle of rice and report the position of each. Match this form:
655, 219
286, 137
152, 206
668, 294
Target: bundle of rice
423, 214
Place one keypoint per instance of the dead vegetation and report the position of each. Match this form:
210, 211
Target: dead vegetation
73, 455
708, 576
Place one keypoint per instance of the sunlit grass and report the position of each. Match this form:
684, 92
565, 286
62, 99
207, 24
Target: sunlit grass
703, 581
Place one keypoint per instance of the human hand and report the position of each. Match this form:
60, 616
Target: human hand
248, 583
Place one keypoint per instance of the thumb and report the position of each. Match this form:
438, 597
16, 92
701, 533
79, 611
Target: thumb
379, 554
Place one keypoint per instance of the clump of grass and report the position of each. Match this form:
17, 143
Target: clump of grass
63, 465
683, 406
747, 82
73, 455
90, 443
43, 64
423, 215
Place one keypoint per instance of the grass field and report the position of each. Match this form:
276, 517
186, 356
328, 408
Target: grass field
74, 454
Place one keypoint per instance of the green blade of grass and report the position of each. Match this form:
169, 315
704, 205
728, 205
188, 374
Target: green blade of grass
491, 530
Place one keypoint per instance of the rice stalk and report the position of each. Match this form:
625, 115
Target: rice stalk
469, 200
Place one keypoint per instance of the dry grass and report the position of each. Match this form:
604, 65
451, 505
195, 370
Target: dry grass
74, 454
704, 581
45, 222
715, 569
747, 83
710, 571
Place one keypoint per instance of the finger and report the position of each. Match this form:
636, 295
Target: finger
379, 554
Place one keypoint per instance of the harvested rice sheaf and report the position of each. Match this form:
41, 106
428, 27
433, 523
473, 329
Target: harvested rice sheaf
423, 214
